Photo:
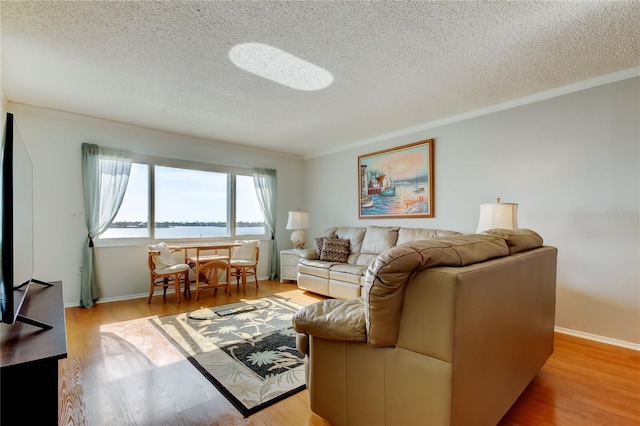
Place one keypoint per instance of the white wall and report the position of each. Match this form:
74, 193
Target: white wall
572, 165
571, 162
54, 140
3, 98
3, 107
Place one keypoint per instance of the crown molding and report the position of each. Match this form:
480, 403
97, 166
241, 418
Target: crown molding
525, 100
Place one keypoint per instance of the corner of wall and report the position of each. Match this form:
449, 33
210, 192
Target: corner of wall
3, 98
3, 109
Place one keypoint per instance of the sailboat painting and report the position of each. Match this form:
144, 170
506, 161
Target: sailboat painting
397, 182
418, 188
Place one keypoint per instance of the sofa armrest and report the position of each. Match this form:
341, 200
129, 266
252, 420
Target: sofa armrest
331, 319
302, 343
307, 254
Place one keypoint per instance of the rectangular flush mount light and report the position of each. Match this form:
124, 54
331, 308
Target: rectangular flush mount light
279, 66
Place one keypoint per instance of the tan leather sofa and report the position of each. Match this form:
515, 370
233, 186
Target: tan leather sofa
448, 331
344, 280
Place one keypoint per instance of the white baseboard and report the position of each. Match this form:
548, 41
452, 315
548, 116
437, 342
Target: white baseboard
597, 338
170, 290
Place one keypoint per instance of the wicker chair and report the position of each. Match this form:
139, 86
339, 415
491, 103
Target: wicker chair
213, 275
244, 262
165, 272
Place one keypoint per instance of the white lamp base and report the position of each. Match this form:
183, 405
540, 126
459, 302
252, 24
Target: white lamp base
299, 239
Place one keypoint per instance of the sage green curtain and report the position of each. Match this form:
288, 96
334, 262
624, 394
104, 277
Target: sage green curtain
105, 175
266, 182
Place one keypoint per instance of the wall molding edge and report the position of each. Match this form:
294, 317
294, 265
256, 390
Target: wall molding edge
598, 338
501, 106
145, 295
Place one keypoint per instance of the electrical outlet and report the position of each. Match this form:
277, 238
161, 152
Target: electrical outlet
80, 270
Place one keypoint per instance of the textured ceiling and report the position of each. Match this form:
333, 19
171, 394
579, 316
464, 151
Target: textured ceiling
396, 65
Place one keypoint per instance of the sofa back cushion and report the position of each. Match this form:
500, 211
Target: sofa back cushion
367, 243
406, 235
376, 240
355, 235
386, 277
518, 240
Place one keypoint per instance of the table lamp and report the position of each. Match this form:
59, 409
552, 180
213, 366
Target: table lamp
298, 221
498, 215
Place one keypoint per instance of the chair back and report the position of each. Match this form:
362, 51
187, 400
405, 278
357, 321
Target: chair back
160, 256
212, 272
249, 250
151, 260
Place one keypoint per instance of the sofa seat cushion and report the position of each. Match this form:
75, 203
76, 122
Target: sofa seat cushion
316, 268
333, 319
348, 273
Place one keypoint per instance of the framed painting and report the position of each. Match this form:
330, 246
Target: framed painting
397, 182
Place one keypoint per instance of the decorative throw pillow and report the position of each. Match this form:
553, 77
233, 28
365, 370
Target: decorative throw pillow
320, 242
335, 250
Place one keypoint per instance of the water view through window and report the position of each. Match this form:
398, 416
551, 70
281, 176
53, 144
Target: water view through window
188, 204
249, 218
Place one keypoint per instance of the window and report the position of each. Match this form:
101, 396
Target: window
185, 203
190, 203
249, 217
132, 220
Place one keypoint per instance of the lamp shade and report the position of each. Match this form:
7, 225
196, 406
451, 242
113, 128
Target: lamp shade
498, 215
298, 220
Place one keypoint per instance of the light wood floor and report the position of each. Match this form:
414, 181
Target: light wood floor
119, 372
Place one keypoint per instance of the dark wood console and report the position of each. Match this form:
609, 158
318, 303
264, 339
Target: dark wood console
29, 366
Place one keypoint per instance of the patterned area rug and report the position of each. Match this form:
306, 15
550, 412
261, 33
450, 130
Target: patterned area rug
246, 349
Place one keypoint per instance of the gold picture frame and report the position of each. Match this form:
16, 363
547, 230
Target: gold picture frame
397, 182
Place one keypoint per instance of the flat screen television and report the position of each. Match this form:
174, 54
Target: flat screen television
16, 217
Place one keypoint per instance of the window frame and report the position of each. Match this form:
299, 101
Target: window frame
153, 161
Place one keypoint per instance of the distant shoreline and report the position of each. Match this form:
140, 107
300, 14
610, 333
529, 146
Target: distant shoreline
134, 225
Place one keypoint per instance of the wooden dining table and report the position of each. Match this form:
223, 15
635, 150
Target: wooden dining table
197, 258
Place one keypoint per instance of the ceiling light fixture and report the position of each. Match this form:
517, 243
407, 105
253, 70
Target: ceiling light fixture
279, 66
